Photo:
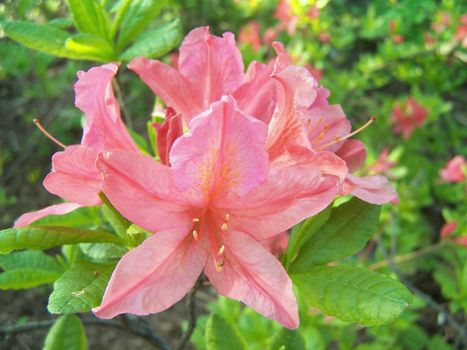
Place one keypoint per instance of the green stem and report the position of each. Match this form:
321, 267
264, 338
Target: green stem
407, 257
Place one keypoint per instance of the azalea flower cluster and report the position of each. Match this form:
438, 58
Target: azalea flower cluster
242, 157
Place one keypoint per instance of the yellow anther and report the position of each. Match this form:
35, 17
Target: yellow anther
321, 136
224, 226
221, 250
219, 265
195, 234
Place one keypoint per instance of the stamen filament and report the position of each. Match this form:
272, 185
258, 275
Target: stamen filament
339, 139
46, 133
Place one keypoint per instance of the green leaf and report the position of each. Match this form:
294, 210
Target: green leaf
26, 278
66, 333
221, 335
90, 17
80, 288
90, 47
81, 217
353, 294
287, 339
347, 231
156, 42
45, 237
103, 251
137, 16
29, 259
115, 219
302, 233
40, 37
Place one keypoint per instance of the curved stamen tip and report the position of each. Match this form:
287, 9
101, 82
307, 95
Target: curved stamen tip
46, 133
224, 226
195, 234
227, 216
339, 138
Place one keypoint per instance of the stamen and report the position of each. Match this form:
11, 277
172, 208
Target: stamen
219, 265
195, 234
224, 226
195, 220
221, 250
339, 139
46, 133
227, 216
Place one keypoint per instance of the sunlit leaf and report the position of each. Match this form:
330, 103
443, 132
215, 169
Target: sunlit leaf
353, 294
80, 288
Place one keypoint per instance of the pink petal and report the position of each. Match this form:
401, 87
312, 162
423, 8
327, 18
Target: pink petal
212, 64
257, 97
223, 152
375, 189
253, 276
104, 129
354, 153
295, 94
74, 175
166, 134
155, 275
57, 209
290, 194
324, 124
142, 190
172, 87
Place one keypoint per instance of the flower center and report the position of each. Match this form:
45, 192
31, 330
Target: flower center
213, 226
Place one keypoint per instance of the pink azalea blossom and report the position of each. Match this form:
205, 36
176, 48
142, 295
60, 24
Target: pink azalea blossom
461, 31
74, 176
382, 164
454, 170
448, 229
313, 13
287, 19
269, 36
250, 34
408, 117
220, 197
285, 97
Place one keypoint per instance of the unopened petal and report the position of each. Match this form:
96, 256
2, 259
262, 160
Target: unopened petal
56, 209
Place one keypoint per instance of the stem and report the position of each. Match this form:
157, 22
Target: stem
459, 328
118, 91
406, 257
190, 305
142, 332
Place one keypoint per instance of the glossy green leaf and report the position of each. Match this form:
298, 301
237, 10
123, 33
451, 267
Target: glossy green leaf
155, 42
81, 217
90, 17
136, 17
29, 259
353, 294
80, 288
347, 231
221, 335
45, 237
302, 233
26, 278
90, 47
40, 37
66, 333
287, 339
103, 251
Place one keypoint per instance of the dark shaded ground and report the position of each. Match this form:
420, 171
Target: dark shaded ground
31, 305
